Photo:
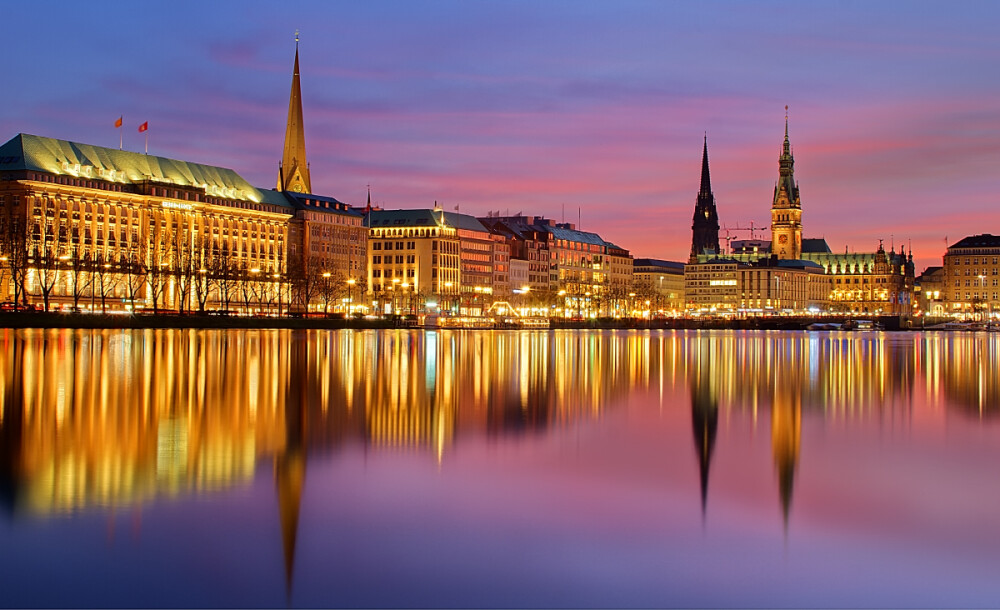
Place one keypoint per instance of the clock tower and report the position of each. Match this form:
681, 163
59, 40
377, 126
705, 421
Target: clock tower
786, 209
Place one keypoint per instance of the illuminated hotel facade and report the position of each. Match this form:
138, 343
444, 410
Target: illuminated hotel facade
97, 228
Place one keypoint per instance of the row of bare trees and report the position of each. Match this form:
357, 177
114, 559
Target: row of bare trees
169, 271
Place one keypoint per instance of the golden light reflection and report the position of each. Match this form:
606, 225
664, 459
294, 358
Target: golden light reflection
118, 418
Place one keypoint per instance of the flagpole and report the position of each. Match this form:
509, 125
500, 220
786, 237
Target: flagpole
118, 126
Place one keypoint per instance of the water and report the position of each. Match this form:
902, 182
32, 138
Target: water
450, 468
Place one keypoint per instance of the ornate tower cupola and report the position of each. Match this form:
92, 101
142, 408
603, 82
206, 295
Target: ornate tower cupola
293, 173
786, 209
705, 226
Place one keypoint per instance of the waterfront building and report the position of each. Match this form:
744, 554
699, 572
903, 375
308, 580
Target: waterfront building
782, 286
582, 274
705, 224
519, 271
502, 282
327, 251
929, 291
621, 270
660, 282
426, 252
712, 286
877, 282
529, 250
94, 228
972, 276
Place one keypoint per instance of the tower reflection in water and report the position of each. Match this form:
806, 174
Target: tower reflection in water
121, 418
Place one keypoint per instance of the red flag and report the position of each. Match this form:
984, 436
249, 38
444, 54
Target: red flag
144, 127
118, 123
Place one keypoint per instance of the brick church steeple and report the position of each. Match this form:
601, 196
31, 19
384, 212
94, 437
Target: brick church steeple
705, 226
293, 173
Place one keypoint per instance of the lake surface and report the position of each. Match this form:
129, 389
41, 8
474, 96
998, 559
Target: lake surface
458, 468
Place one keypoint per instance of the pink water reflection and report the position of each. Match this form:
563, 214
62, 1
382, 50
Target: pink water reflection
503, 469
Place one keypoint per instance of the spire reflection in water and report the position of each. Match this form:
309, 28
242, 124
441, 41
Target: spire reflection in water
348, 442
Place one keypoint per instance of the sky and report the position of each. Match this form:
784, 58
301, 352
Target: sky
588, 112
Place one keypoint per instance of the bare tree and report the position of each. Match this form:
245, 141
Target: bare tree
184, 266
158, 261
45, 260
134, 269
200, 280
224, 273
14, 253
305, 285
106, 278
81, 274
269, 287
248, 286
330, 287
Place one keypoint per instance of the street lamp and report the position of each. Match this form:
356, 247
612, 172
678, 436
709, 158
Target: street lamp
326, 293
982, 286
277, 278
395, 282
350, 295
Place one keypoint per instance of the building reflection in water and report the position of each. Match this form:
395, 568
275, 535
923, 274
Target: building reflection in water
120, 418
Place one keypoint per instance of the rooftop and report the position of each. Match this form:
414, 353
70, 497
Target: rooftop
27, 152
978, 241
309, 201
655, 262
426, 217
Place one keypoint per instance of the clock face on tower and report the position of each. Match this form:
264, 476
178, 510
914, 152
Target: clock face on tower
782, 239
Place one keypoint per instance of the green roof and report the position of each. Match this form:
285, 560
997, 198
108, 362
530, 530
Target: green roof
422, 218
36, 153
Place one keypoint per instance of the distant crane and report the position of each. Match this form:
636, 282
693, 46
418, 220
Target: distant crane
729, 238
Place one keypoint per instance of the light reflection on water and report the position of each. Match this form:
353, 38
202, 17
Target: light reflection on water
94, 422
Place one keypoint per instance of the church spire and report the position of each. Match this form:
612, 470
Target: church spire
705, 225
294, 172
706, 178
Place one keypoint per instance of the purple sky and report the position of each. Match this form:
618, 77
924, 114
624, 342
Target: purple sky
595, 108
